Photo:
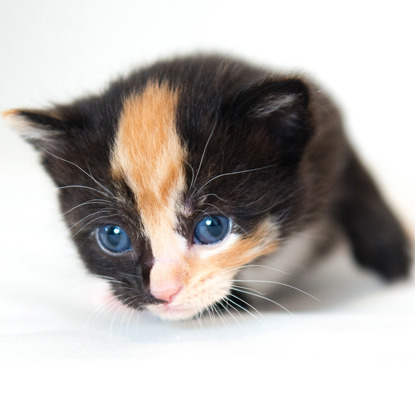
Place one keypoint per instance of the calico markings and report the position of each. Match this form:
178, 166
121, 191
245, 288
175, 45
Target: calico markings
150, 157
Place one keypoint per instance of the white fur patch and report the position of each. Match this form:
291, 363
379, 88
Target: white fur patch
24, 127
290, 259
274, 104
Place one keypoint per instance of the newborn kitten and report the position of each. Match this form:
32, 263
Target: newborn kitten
187, 170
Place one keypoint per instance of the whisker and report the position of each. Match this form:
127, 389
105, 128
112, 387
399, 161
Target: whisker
193, 174
203, 155
116, 312
110, 279
90, 202
264, 298
236, 172
247, 266
211, 314
264, 266
278, 202
233, 308
91, 221
280, 283
98, 308
137, 313
247, 288
213, 194
88, 216
82, 170
257, 200
243, 308
218, 312
127, 312
82, 187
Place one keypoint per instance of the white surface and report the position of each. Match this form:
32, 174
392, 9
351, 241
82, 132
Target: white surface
353, 352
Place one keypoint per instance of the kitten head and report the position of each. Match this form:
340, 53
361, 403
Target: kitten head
177, 176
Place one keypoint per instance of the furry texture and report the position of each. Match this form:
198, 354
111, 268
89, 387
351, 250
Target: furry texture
204, 135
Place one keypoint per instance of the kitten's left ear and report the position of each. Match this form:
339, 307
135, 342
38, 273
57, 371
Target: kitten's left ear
42, 128
277, 97
282, 108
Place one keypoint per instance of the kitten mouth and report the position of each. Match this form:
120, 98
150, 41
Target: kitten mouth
169, 311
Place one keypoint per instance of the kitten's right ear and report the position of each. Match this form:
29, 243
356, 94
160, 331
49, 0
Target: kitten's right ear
42, 128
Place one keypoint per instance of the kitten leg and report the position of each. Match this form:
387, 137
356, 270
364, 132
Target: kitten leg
377, 238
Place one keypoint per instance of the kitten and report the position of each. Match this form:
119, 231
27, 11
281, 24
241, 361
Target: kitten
180, 174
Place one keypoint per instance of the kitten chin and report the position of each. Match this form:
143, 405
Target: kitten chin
184, 175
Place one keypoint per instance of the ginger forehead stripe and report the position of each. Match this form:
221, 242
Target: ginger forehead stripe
148, 154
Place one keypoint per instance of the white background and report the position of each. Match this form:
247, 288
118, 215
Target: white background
354, 351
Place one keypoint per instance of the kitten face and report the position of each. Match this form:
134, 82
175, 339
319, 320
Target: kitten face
176, 177
150, 158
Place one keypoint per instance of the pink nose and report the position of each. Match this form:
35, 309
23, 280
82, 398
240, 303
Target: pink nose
166, 292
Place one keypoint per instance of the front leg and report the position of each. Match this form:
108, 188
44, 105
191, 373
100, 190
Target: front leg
377, 238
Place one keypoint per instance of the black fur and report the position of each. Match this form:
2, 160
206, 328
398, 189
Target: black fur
376, 237
281, 128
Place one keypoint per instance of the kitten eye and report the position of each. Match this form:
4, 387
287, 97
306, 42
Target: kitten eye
113, 239
211, 229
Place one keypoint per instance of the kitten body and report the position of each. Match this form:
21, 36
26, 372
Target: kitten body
188, 171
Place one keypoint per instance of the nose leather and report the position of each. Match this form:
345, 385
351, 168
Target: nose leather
166, 292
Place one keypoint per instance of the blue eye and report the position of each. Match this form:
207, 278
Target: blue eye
113, 238
211, 229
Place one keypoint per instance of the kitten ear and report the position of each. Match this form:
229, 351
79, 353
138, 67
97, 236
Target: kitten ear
42, 128
286, 97
281, 108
